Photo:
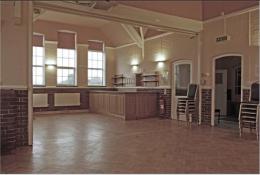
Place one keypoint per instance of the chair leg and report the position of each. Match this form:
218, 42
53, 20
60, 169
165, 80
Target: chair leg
218, 117
190, 119
240, 130
187, 118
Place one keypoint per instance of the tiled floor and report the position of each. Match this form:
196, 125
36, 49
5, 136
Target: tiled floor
89, 143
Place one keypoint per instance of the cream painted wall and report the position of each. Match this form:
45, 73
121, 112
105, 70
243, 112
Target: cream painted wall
14, 47
110, 65
82, 54
170, 48
50, 58
238, 29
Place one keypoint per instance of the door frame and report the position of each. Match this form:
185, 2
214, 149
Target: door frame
213, 81
173, 64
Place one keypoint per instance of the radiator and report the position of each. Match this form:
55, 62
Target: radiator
40, 100
67, 99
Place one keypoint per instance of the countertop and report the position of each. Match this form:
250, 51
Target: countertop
123, 92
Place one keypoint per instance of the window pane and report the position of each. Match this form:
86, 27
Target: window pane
39, 51
39, 80
66, 63
59, 80
95, 65
100, 73
39, 61
38, 65
59, 62
34, 80
90, 63
71, 63
65, 53
34, 50
99, 64
59, 53
59, 72
71, 53
34, 71
95, 68
182, 79
99, 56
39, 71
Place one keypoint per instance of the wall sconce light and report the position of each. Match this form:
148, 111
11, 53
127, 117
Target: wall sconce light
160, 64
160, 57
134, 62
50, 64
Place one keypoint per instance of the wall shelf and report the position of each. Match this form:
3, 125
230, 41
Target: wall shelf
151, 79
118, 80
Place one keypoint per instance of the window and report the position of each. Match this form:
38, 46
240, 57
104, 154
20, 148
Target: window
66, 65
38, 60
66, 59
96, 68
38, 66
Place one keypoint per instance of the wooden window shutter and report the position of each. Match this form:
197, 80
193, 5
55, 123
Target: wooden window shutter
96, 45
38, 40
66, 40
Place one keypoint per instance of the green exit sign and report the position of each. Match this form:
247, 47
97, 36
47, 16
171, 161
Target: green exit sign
222, 38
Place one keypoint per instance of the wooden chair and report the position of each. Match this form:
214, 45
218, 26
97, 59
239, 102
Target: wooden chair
187, 106
249, 111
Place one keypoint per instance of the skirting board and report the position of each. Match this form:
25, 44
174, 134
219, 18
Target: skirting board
61, 112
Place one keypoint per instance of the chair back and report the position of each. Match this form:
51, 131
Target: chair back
254, 96
192, 91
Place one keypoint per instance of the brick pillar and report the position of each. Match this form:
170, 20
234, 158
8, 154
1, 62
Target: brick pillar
167, 99
246, 95
206, 98
14, 119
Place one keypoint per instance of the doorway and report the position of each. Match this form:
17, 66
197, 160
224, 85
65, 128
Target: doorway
181, 78
227, 91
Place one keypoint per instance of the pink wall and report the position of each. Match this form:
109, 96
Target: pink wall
213, 9
49, 29
198, 10
187, 9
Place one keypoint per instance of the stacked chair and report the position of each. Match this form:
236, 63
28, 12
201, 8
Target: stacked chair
188, 106
249, 111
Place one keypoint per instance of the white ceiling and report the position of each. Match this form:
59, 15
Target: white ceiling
72, 19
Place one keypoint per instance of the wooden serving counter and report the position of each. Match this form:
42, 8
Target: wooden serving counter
126, 105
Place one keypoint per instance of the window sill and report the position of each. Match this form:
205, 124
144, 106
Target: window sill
39, 86
96, 86
66, 86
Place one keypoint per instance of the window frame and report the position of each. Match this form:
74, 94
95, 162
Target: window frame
43, 66
103, 69
68, 68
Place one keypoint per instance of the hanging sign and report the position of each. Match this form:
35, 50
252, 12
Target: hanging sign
222, 38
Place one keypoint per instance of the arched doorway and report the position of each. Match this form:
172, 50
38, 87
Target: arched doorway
227, 91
